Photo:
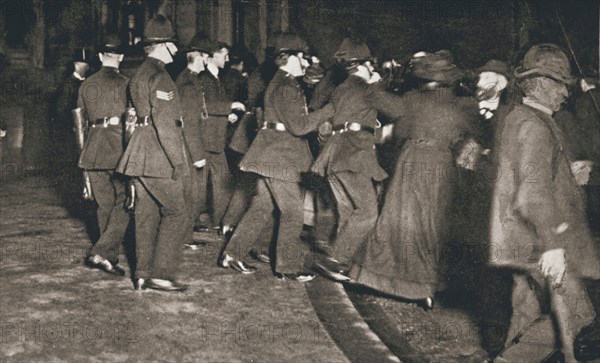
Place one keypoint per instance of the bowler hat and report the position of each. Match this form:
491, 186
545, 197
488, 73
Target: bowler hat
158, 30
436, 66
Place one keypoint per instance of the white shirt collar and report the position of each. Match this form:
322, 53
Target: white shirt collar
214, 70
78, 76
535, 104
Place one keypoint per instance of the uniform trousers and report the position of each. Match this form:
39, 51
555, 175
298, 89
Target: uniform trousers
356, 202
162, 224
532, 335
109, 190
276, 209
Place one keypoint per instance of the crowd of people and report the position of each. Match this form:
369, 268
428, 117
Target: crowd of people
487, 166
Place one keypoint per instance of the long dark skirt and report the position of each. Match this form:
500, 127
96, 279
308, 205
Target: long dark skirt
404, 255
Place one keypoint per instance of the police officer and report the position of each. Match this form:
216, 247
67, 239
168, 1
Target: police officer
215, 126
538, 225
194, 113
156, 157
102, 101
349, 160
279, 155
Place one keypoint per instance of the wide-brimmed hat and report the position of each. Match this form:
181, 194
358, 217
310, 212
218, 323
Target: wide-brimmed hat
496, 66
436, 66
547, 60
158, 30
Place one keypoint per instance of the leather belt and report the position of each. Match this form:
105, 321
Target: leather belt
143, 121
352, 126
274, 126
105, 121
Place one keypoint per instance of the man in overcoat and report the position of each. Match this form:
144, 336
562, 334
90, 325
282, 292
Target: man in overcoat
538, 223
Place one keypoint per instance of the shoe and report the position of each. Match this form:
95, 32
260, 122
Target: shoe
300, 276
428, 303
139, 284
587, 343
259, 256
333, 271
227, 231
101, 263
165, 285
194, 245
227, 261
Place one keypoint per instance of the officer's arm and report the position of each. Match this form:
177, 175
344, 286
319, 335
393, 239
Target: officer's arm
292, 111
166, 110
533, 174
389, 104
323, 92
214, 102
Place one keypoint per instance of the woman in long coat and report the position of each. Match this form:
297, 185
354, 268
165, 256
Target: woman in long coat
405, 254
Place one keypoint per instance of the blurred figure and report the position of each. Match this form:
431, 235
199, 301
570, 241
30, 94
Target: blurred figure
538, 225
405, 255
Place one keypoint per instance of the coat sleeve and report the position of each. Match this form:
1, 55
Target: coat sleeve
164, 115
533, 169
292, 111
389, 104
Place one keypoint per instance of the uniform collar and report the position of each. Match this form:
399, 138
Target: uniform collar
538, 106
111, 68
192, 72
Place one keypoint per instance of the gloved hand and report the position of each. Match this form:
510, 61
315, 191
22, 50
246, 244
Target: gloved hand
232, 118
177, 171
552, 264
238, 106
324, 132
200, 163
130, 200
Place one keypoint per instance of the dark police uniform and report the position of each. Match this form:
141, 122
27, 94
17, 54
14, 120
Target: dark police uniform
193, 108
279, 155
214, 138
103, 96
349, 161
156, 157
